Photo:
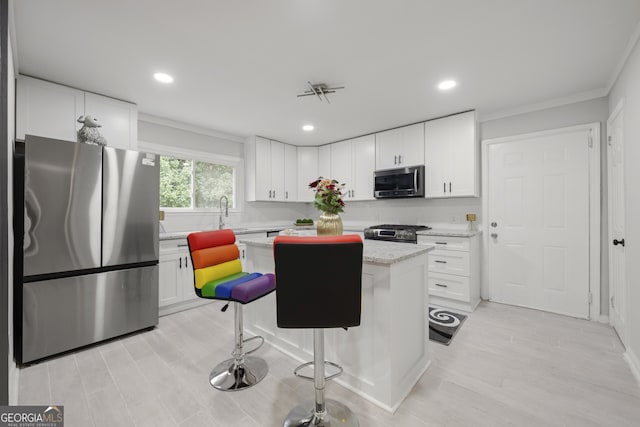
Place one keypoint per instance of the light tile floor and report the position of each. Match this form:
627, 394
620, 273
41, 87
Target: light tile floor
507, 366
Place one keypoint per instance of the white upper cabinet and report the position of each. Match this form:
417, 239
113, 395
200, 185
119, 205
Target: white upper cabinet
51, 110
307, 172
451, 156
363, 153
271, 170
290, 173
352, 163
401, 147
47, 109
324, 161
277, 171
341, 164
119, 120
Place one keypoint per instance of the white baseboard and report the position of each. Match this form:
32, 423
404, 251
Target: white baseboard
634, 363
14, 382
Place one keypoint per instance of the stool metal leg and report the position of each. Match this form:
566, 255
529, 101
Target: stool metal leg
323, 412
242, 371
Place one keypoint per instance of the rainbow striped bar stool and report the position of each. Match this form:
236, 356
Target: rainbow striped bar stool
218, 275
309, 298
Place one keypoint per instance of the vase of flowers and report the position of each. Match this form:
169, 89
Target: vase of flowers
328, 199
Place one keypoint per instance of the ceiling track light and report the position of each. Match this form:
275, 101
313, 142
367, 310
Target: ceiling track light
320, 90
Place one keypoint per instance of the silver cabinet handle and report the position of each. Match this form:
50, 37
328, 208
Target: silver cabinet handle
286, 195
494, 224
399, 159
449, 187
395, 160
444, 187
442, 286
269, 193
440, 243
185, 262
183, 245
441, 262
494, 235
180, 262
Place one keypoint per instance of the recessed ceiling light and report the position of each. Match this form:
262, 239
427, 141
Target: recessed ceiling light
447, 84
307, 128
162, 77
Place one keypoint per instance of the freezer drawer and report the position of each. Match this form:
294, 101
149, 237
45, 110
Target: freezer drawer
63, 314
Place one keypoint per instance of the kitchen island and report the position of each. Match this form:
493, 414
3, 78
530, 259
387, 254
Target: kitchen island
387, 354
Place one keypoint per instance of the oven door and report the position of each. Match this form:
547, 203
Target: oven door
394, 183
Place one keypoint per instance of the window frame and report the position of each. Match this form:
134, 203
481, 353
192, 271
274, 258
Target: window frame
202, 156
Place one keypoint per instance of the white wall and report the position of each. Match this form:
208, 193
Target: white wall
252, 213
11, 96
627, 87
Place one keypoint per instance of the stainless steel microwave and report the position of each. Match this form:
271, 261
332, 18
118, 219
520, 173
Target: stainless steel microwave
396, 183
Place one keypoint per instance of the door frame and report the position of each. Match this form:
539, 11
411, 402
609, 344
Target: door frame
595, 192
619, 109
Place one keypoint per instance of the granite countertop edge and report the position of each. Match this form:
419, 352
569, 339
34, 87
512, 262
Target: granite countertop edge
375, 251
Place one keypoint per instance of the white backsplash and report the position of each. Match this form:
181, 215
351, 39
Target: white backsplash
438, 213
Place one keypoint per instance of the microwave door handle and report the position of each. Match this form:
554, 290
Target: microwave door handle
415, 179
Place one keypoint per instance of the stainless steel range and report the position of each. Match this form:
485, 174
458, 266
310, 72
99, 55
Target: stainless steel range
394, 232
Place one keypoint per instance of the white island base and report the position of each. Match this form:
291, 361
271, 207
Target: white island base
386, 355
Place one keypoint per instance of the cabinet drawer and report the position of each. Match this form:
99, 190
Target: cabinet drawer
450, 262
446, 243
449, 286
174, 244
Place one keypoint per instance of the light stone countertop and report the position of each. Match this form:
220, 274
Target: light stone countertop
374, 251
448, 232
237, 231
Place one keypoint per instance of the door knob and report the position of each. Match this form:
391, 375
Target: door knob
617, 242
494, 235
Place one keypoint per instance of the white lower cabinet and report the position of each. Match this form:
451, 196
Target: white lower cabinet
454, 271
176, 290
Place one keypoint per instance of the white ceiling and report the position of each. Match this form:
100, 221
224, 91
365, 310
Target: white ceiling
238, 65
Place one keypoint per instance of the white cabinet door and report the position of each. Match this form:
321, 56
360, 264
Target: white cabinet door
277, 171
412, 145
363, 152
341, 165
47, 109
290, 173
170, 283
188, 286
119, 120
307, 172
400, 147
262, 177
451, 157
51, 110
388, 144
324, 161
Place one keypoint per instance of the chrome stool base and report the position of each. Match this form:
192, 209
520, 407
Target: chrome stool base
336, 415
229, 376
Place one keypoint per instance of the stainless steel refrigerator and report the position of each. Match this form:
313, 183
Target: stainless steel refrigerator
90, 247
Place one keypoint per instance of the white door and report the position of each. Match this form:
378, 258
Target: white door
538, 211
263, 169
290, 173
617, 265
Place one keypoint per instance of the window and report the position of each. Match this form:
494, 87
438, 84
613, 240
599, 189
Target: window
194, 184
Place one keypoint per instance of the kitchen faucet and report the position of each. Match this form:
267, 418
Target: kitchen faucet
226, 211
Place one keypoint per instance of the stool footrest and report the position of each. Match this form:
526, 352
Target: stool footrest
257, 337
307, 377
